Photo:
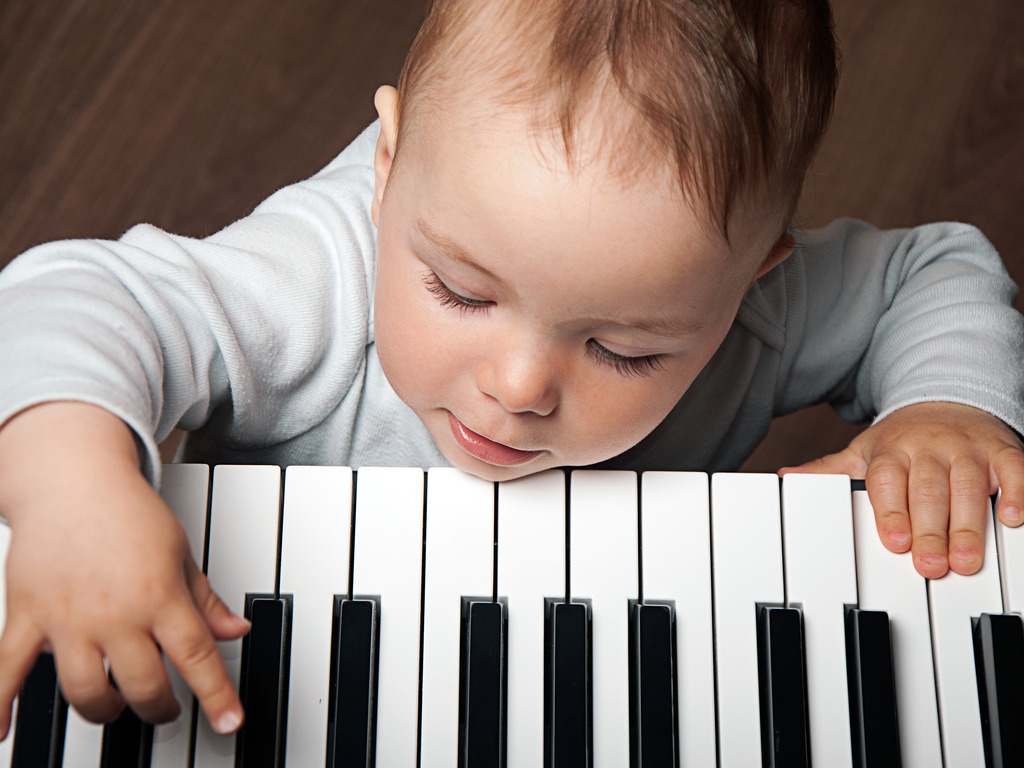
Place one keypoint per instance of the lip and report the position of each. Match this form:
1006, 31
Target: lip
482, 448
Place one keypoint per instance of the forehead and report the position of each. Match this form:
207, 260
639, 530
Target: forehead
495, 190
491, 143
605, 136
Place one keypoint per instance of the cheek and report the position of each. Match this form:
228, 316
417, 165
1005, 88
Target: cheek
397, 327
614, 417
412, 338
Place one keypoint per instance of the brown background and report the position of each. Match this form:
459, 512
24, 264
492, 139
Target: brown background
187, 113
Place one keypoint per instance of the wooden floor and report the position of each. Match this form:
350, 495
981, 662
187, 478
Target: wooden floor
186, 113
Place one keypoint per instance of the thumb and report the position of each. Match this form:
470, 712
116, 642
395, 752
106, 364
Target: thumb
223, 624
845, 462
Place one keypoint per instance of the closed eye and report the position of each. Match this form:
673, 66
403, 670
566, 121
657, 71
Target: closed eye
449, 298
642, 365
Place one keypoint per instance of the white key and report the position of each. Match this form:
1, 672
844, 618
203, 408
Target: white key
747, 551
244, 519
83, 741
388, 562
531, 567
954, 599
185, 489
603, 567
315, 535
1010, 542
821, 577
460, 562
676, 564
888, 582
5, 543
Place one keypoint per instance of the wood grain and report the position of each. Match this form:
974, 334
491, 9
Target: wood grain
181, 113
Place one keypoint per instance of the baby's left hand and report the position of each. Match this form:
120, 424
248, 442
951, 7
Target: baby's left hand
929, 470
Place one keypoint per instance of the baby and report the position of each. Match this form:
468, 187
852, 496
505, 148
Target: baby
566, 242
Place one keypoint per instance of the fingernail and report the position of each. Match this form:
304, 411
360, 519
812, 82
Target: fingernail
227, 723
1012, 515
963, 555
931, 558
899, 538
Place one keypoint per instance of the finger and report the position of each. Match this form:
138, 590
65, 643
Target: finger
845, 462
886, 482
968, 506
1008, 465
141, 677
190, 647
84, 682
19, 648
223, 624
928, 496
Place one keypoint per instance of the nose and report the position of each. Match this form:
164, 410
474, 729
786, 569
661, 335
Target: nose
521, 378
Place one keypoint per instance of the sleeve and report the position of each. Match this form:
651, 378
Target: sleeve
878, 320
262, 326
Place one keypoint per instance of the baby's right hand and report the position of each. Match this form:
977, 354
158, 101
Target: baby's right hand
100, 569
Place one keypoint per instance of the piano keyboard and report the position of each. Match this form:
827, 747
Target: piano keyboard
709, 621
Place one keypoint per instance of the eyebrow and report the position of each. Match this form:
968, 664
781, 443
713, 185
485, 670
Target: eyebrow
659, 326
455, 252
663, 326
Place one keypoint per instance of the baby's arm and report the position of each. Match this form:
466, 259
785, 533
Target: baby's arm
99, 568
929, 470
900, 326
257, 334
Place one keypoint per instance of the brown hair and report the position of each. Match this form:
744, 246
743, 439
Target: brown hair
737, 93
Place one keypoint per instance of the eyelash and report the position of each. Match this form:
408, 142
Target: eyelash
643, 365
448, 298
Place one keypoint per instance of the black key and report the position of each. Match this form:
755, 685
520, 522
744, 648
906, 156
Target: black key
482, 690
784, 732
352, 709
652, 686
999, 655
873, 723
263, 683
568, 699
41, 719
127, 742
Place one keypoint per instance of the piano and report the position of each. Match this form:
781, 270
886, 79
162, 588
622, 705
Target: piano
591, 618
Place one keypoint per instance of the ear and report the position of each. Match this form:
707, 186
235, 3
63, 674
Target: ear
779, 253
386, 102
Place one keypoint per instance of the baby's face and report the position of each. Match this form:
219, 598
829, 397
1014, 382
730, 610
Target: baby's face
533, 317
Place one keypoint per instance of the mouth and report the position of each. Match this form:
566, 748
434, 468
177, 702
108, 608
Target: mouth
487, 450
